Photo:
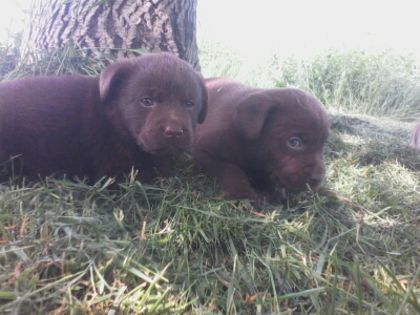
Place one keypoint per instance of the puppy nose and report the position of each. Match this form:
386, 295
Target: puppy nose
314, 175
315, 181
173, 132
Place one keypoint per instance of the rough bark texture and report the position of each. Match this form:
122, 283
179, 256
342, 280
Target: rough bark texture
116, 26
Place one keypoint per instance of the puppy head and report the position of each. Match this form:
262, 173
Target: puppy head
156, 100
286, 130
415, 137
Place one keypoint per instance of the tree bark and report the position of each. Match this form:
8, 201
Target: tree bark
120, 27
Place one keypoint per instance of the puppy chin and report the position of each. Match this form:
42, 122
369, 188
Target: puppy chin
145, 145
315, 188
292, 185
160, 148
302, 186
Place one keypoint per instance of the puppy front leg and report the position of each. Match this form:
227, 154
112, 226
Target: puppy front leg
233, 179
235, 183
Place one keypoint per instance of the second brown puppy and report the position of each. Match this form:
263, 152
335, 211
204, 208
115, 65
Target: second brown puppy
138, 113
260, 142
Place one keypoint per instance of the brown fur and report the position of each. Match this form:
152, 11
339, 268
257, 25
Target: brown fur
244, 140
415, 137
138, 113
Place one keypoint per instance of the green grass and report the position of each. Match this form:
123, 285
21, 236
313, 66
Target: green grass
176, 248
370, 83
380, 84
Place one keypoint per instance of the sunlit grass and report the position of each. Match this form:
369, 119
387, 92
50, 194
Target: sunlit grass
379, 84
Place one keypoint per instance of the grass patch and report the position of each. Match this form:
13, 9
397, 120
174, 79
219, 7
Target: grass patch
175, 248
379, 84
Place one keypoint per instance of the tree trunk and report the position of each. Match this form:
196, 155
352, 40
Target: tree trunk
120, 27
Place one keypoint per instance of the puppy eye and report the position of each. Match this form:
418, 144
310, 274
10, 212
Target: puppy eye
189, 104
147, 101
295, 143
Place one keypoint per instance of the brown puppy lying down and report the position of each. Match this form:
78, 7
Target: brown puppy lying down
415, 137
138, 113
260, 142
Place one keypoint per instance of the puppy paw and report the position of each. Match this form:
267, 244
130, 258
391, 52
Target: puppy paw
261, 202
279, 197
238, 195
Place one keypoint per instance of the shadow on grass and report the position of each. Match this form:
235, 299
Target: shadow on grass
370, 142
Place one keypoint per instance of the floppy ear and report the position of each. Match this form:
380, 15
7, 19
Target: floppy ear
113, 78
204, 101
251, 114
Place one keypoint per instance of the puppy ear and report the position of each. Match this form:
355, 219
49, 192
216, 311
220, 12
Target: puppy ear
204, 101
252, 113
112, 79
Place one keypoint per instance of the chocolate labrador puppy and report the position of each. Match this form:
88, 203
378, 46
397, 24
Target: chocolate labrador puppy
137, 113
259, 143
